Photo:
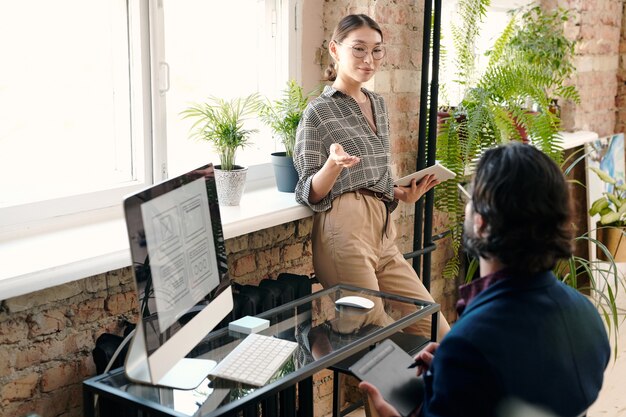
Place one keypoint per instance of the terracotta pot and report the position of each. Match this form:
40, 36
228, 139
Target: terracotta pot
442, 115
614, 238
522, 129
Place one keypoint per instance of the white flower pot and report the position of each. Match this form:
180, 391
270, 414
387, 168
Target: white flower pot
230, 185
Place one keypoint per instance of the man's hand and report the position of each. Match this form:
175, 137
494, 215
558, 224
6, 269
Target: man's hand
341, 157
382, 407
426, 356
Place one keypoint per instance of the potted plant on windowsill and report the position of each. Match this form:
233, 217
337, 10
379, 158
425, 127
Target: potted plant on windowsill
221, 122
283, 116
611, 228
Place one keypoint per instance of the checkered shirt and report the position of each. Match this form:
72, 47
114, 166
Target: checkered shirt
334, 117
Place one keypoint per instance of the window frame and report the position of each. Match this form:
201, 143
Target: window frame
145, 31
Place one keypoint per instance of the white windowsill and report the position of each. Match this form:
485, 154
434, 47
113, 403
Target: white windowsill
34, 262
574, 139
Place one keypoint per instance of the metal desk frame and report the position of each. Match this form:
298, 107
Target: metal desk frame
101, 384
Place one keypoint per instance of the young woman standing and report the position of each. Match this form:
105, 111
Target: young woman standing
343, 159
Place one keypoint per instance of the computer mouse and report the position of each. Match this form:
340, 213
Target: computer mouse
355, 301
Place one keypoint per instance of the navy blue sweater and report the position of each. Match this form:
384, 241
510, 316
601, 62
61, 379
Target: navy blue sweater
528, 338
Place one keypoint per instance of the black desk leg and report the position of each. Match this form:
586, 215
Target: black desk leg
305, 397
270, 406
88, 408
287, 399
336, 395
435, 327
251, 411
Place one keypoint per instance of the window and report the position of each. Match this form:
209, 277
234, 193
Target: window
64, 100
210, 54
496, 19
90, 93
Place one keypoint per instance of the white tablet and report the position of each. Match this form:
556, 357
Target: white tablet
441, 173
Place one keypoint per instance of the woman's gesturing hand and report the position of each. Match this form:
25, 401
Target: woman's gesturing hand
341, 157
325, 178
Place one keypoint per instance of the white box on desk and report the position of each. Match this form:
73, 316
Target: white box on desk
248, 324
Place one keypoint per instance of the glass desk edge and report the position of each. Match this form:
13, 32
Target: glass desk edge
96, 386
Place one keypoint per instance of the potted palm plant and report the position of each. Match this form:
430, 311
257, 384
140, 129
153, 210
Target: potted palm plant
221, 122
283, 116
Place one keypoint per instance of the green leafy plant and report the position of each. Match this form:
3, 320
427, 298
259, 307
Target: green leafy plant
284, 114
539, 40
221, 122
611, 207
599, 279
494, 107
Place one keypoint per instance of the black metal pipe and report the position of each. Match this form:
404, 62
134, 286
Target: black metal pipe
432, 137
421, 138
420, 252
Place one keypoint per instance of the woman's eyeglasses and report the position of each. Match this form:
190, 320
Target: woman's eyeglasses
360, 50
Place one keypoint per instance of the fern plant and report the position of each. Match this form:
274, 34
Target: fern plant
494, 108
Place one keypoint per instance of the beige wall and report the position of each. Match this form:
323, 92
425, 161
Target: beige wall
46, 337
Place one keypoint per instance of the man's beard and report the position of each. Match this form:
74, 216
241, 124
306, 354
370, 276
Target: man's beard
470, 238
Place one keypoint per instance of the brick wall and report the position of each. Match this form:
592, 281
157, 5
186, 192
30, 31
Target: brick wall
46, 340
620, 101
597, 27
268, 252
46, 337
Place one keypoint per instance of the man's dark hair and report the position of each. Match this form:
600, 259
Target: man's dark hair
524, 200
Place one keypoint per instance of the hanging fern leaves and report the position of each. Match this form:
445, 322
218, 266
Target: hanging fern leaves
471, 14
528, 64
500, 47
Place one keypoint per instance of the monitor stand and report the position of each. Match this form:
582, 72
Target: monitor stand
187, 374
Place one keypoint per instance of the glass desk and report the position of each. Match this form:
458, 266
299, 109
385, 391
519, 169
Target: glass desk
326, 334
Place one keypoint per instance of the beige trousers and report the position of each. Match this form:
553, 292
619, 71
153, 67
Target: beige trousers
350, 246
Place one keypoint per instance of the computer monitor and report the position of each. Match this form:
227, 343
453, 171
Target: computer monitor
180, 269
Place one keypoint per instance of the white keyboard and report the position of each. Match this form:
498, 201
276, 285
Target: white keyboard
255, 360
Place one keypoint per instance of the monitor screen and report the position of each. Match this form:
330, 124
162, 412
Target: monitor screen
179, 263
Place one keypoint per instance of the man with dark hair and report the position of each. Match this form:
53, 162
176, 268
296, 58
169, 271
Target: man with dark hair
523, 336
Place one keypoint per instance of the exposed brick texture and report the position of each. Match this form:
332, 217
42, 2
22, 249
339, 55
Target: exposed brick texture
46, 337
